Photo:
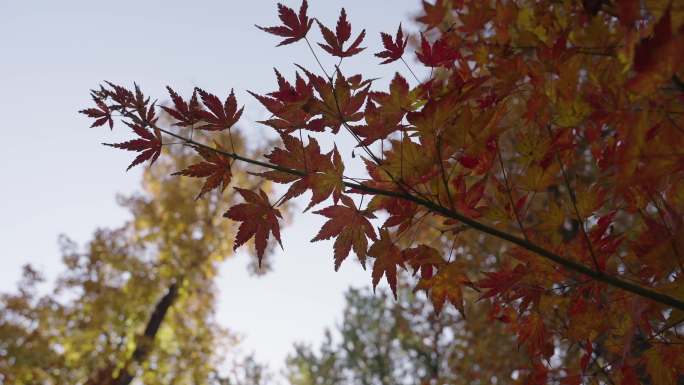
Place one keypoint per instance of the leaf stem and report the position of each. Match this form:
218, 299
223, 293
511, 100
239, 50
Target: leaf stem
410, 70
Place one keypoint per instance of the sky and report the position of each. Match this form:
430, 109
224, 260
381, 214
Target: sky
58, 179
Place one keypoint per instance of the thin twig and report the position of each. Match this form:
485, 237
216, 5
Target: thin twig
510, 194
410, 70
573, 200
316, 57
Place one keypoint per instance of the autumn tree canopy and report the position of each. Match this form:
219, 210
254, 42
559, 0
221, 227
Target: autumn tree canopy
538, 168
137, 302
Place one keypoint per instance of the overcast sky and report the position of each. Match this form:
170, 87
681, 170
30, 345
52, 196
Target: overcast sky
57, 178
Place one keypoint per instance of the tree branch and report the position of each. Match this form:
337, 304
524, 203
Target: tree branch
142, 348
556, 258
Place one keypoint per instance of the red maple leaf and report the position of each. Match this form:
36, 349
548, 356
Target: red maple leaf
387, 257
533, 334
324, 176
119, 94
102, 114
647, 53
393, 49
220, 116
295, 26
659, 56
258, 217
468, 199
424, 258
287, 105
216, 169
503, 282
186, 114
148, 145
350, 226
342, 34
338, 103
433, 14
437, 54
385, 118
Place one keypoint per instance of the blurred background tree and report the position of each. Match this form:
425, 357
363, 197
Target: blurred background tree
383, 341
137, 301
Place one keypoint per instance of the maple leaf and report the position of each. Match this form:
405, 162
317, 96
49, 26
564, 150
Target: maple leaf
384, 111
328, 182
503, 282
295, 26
533, 333
148, 145
408, 161
393, 49
287, 105
387, 257
401, 213
379, 125
102, 114
336, 40
119, 94
259, 219
438, 54
186, 114
220, 116
350, 227
324, 176
298, 94
423, 258
216, 168
433, 14
446, 286
658, 56
340, 102
468, 199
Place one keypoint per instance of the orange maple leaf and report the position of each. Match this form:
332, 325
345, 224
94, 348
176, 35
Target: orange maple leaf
433, 14
351, 228
387, 257
446, 285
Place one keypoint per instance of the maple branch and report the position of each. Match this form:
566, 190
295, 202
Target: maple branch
573, 200
479, 226
443, 172
230, 136
346, 125
510, 195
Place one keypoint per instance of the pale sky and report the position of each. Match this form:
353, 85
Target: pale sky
58, 179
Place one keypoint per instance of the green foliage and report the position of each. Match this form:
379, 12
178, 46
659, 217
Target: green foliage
383, 341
